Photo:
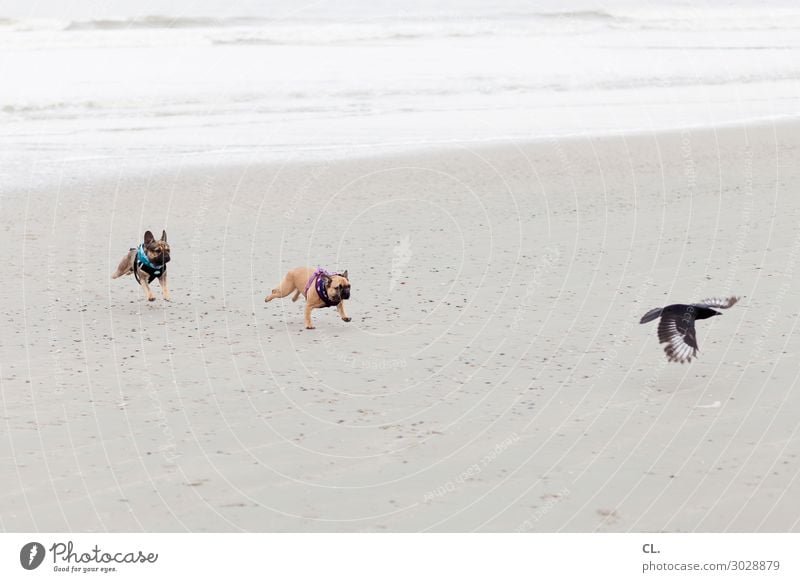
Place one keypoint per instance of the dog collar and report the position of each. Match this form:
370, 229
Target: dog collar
323, 293
318, 280
143, 263
144, 260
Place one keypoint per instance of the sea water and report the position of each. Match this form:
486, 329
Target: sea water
119, 84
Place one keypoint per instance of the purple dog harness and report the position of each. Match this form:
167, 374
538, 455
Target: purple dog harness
319, 276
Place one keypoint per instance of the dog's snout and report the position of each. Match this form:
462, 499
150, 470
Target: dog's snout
345, 293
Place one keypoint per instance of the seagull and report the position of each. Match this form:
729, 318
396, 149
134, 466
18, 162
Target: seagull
676, 328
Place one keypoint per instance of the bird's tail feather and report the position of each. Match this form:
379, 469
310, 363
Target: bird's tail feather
651, 315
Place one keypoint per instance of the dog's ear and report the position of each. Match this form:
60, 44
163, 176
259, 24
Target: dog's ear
164, 235
328, 280
148, 237
345, 274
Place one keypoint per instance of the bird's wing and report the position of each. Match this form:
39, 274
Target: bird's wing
677, 331
718, 303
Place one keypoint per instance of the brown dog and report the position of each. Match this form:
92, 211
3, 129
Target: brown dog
147, 262
321, 289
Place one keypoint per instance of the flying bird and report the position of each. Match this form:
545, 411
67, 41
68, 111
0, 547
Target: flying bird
676, 328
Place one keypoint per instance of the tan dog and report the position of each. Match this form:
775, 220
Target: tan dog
321, 289
147, 262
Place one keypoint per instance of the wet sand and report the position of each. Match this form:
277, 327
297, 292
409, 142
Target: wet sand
494, 376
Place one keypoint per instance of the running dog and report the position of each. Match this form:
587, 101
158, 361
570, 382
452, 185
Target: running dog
320, 288
147, 262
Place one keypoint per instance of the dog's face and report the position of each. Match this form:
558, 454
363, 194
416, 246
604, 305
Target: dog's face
157, 250
338, 287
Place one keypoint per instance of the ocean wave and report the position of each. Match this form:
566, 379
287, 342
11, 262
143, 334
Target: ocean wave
83, 108
157, 22
411, 28
301, 30
30, 24
580, 15
336, 36
322, 98
141, 23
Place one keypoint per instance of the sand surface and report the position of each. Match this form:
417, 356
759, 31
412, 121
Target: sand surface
494, 376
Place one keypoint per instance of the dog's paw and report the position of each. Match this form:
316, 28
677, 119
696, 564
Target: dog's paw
348, 319
151, 298
310, 327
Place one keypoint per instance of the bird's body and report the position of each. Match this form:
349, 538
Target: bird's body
676, 328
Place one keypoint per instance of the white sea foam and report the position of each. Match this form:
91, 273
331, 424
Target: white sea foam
347, 76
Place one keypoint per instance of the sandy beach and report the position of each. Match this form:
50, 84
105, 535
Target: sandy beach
494, 377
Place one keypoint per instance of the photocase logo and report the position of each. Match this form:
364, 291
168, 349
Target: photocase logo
31, 555
401, 256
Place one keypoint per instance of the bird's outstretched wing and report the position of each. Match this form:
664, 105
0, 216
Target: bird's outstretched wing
677, 331
718, 303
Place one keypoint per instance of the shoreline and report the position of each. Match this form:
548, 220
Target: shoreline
335, 154
494, 378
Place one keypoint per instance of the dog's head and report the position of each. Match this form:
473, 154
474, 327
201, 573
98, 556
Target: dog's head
338, 287
157, 250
